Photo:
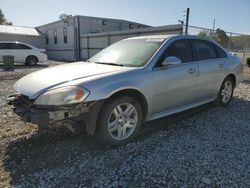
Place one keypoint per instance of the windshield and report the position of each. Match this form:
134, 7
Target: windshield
132, 52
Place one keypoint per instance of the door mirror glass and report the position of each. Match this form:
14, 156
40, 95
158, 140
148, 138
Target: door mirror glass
171, 60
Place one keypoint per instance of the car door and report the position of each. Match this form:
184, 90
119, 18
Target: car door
25, 52
13, 51
211, 68
174, 85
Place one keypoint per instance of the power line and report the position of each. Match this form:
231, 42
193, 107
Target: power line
157, 19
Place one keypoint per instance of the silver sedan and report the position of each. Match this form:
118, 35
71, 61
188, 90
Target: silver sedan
130, 82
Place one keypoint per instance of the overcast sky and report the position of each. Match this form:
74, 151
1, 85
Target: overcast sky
230, 15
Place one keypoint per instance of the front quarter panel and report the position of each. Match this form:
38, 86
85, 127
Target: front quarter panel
104, 88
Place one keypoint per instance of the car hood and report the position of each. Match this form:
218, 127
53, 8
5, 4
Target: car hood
37, 82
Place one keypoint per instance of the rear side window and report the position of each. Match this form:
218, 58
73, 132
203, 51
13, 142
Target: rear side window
22, 46
204, 50
220, 52
180, 49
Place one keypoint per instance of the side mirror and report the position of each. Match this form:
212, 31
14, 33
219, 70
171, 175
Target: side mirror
171, 60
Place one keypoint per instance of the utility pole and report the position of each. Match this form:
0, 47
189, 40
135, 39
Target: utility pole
213, 27
187, 20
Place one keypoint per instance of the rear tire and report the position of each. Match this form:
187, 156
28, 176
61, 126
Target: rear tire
119, 121
31, 60
226, 92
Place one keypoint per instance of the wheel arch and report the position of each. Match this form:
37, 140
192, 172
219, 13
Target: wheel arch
93, 117
133, 93
31, 56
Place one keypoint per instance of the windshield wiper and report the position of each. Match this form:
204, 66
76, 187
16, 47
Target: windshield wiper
104, 63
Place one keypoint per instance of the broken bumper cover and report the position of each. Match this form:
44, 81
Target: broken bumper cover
51, 117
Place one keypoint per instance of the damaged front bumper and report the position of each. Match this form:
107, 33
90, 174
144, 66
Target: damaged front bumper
47, 117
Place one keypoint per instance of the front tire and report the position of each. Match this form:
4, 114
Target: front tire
31, 60
226, 92
119, 121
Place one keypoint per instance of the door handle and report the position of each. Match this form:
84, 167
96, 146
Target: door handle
221, 66
191, 70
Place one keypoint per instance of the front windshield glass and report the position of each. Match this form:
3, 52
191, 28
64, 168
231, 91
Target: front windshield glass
131, 52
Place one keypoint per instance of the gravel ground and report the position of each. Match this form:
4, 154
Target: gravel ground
204, 147
21, 70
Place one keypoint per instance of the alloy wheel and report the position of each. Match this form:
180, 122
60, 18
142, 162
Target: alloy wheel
122, 121
226, 92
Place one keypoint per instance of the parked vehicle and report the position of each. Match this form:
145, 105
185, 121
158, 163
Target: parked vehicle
132, 81
23, 53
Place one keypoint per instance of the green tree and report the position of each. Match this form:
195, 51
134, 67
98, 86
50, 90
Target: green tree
63, 16
3, 20
203, 34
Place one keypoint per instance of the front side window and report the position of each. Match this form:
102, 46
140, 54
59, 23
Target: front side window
131, 52
204, 50
65, 35
181, 49
4, 46
55, 37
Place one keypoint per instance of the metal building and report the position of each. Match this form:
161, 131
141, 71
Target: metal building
63, 37
94, 42
22, 34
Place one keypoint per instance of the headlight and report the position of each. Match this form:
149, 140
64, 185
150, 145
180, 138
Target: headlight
62, 96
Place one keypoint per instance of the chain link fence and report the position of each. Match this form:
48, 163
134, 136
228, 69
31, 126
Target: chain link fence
237, 43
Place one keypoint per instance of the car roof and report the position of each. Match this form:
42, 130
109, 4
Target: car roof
12, 42
176, 36
151, 37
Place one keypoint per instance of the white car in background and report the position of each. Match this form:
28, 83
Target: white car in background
23, 53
